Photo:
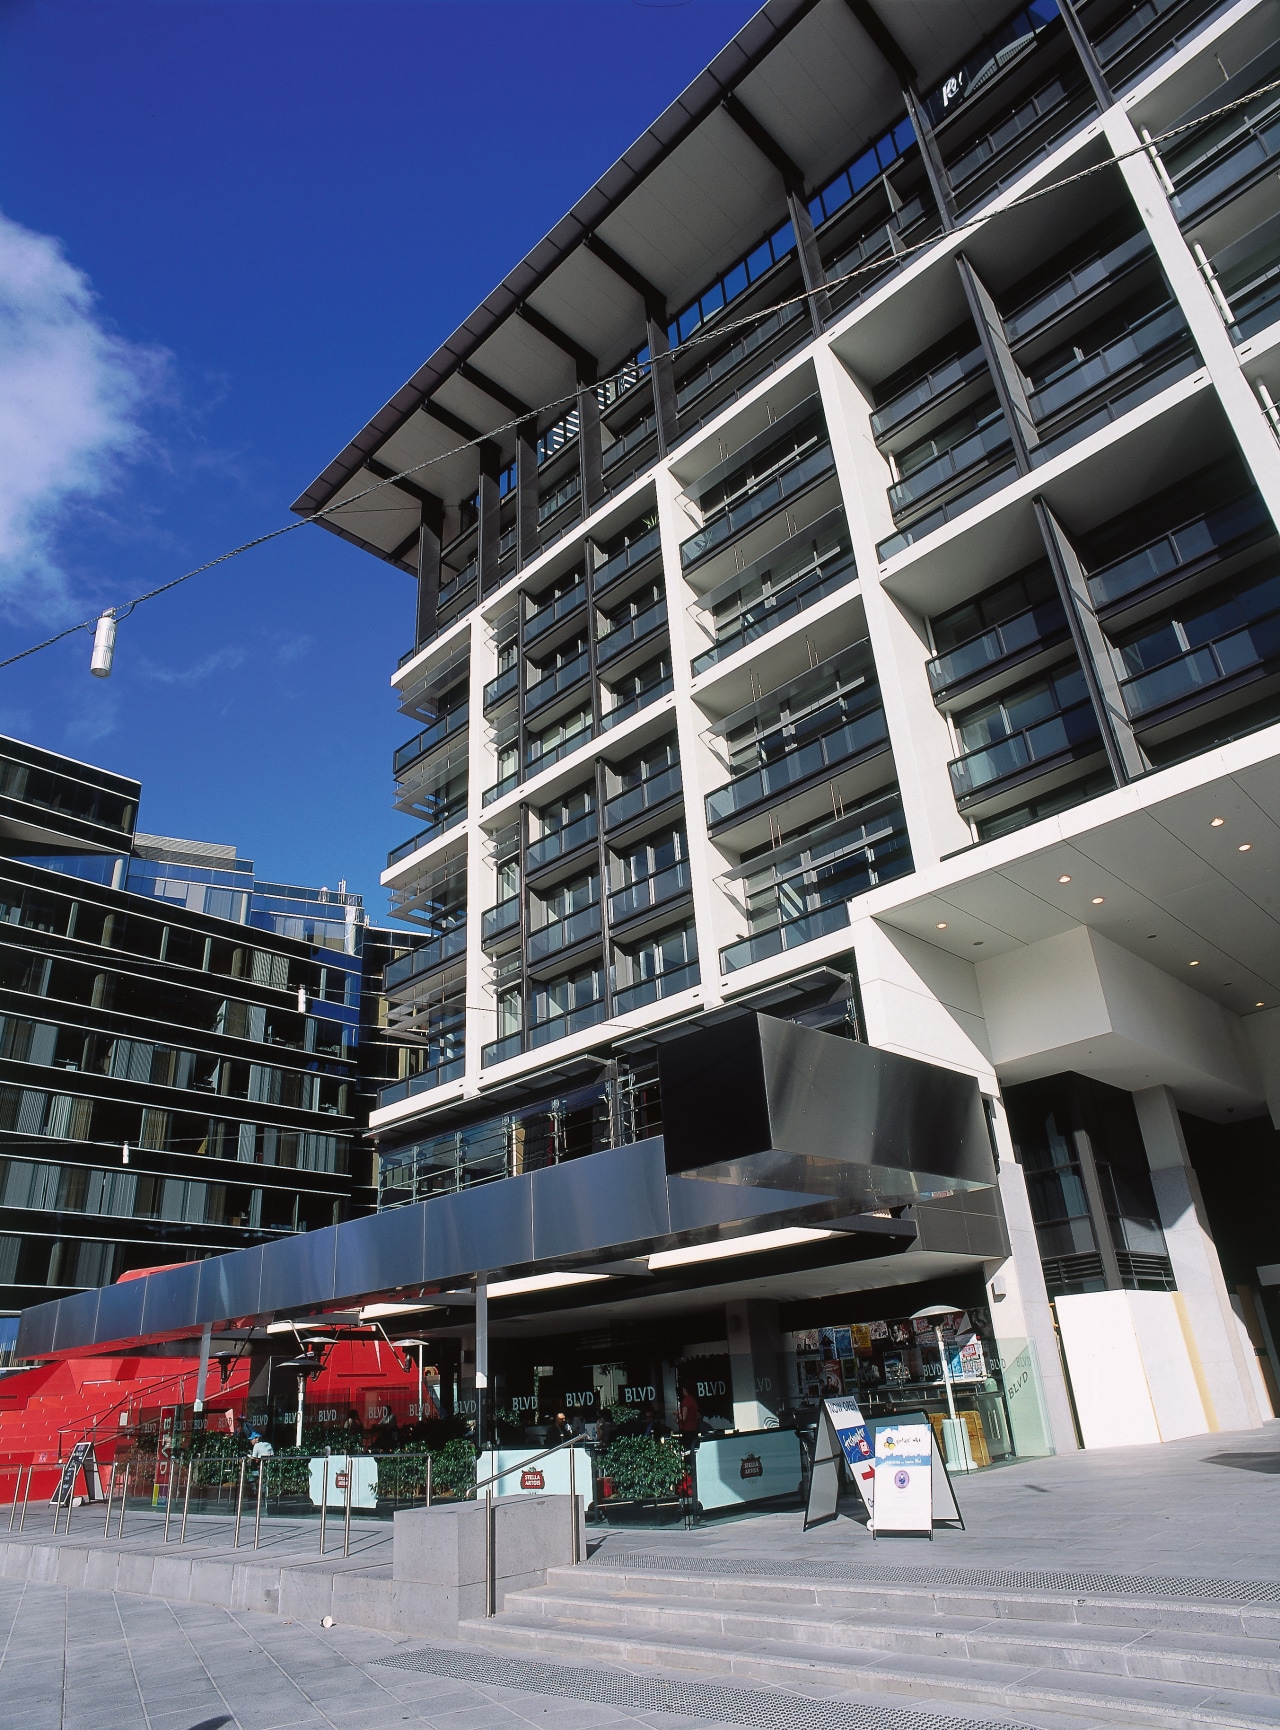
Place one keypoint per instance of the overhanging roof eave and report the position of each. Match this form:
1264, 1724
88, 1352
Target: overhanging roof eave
695, 104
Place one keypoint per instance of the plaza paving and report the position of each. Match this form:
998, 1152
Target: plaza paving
77, 1659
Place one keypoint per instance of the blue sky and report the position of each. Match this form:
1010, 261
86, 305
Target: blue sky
228, 232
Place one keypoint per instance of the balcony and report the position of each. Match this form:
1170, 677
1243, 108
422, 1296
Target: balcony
1037, 627
503, 686
810, 582
867, 733
930, 388
559, 842
655, 790
427, 956
541, 757
650, 892
499, 1050
980, 449
1071, 733
1157, 332
1216, 665
558, 499
561, 1026
1129, 37
757, 500
448, 817
551, 612
429, 738
500, 920
557, 682
1223, 168
788, 321
788, 934
632, 705
1101, 271
423, 1082
877, 244
614, 569
505, 784
668, 984
1215, 534
1021, 138
562, 934
631, 631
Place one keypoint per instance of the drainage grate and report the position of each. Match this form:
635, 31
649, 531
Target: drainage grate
706, 1700
998, 1579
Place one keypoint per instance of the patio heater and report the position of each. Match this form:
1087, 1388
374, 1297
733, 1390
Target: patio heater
955, 1432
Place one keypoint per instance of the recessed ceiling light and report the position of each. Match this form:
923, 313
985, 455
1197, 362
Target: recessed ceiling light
941, 925
1244, 846
1098, 900
1193, 964
1065, 878
1217, 822
1259, 1004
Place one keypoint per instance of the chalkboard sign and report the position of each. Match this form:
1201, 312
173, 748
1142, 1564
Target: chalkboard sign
80, 1459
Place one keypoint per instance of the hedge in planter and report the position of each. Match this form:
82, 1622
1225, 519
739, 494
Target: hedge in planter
642, 1468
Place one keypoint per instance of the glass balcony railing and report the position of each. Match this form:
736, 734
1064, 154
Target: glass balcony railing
1127, 45
1037, 627
501, 687
761, 498
644, 797
427, 955
554, 684
632, 705
557, 842
866, 733
429, 738
551, 612
1068, 733
564, 933
556, 501
631, 631
499, 920
631, 440
803, 588
1077, 283
1196, 672
984, 446
947, 376
605, 575
986, 481
541, 757
1250, 151
1239, 523
876, 244
1157, 331
561, 1026
499, 1050
740, 353
650, 892
449, 816
667, 984
789, 934
1038, 120
505, 784
423, 1082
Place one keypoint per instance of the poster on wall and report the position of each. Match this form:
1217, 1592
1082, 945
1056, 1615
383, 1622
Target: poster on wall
850, 1428
903, 1479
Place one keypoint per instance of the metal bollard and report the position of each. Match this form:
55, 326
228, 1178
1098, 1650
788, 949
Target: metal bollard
490, 1584
111, 1491
324, 1498
168, 1496
257, 1518
31, 1472
573, 1510
13, 1506
346, 1519
428, 1480
244, 1464
186, 1502
124, 1497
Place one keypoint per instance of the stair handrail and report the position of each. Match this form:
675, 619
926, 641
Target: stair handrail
89, 1426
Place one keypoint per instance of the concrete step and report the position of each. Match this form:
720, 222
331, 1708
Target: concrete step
1259, 1622
958, 1685
1207, 1659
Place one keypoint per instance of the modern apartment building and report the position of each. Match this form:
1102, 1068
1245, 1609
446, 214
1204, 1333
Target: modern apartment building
180, 1041
847, 583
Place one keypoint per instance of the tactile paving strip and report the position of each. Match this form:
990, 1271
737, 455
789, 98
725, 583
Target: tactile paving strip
991, 1579
767, 1708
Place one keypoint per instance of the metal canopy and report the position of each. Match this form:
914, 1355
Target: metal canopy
678, 207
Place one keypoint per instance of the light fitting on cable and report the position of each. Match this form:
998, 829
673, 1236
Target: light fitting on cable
104, 646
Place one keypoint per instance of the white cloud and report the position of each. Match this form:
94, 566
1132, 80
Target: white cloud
70, 391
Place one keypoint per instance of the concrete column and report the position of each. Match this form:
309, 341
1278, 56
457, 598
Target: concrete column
754, 1363
1221, 1355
